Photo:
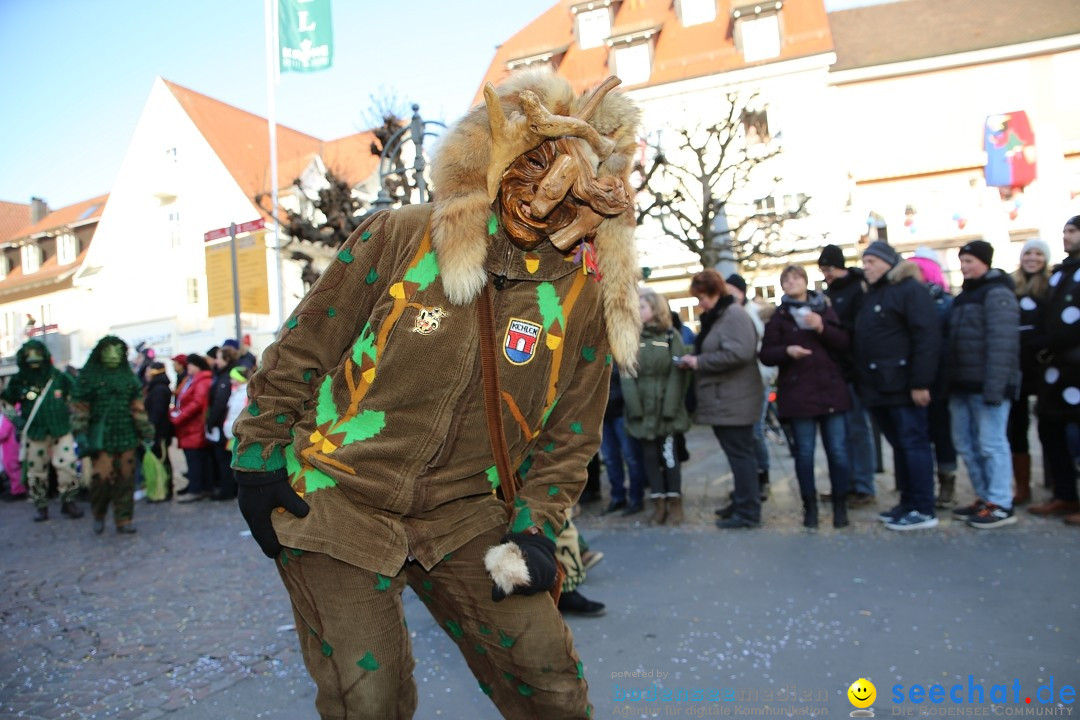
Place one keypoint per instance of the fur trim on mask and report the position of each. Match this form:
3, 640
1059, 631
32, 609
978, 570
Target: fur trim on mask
505, 564
461, 208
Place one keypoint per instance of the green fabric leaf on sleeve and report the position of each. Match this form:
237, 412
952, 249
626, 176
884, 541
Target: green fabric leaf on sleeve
550, 305
251, 459
364, 346
589, 353
315, 479
425, 271
522, 517
493, 476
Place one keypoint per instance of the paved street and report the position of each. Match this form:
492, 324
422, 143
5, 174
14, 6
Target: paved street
188, 621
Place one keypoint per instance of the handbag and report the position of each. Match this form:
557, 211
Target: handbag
509, 480
33, 414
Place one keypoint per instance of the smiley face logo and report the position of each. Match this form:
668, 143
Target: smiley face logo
862, 694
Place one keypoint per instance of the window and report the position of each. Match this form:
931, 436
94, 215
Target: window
193, 291
5, 266
67, 249
593, 27
696, 12
794, 203
170, 154
172, 226
760, 37
766, 292
756, 126
31, 258
633, 64
765, 205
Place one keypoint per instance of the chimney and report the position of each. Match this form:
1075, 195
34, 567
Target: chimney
38, 209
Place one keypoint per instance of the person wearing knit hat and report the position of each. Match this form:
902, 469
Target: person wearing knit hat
981, 250
844, 288
1059, 394
883, 251
897, 340
1032, 280
983, 356
736, 280
928, 262
831, 256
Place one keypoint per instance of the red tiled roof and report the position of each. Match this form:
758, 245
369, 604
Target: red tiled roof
49, 277
13, 217
680, 53
917, 29
79, 213
241, 139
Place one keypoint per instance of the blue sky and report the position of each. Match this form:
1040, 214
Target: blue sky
78, 72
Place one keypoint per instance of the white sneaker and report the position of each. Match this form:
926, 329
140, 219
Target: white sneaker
913, 520
140, 494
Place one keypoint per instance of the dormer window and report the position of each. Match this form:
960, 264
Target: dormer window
633, 63
31, 258
593, 24
696, 12
67, 249
757, 30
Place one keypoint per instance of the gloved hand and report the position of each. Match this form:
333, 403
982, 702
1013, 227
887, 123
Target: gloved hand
259, 494
524, 564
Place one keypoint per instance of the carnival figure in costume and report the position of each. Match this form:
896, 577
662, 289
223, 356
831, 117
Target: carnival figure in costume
368, 422
110, 421
44, 421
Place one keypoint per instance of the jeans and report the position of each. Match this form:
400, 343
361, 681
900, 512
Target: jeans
860, 445
617, 448
737, 442
199, 462
761, 448
979, 434
907, 428
1061, 453
941, 434
661, 467
833, 438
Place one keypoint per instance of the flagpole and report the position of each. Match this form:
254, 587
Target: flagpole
272, 74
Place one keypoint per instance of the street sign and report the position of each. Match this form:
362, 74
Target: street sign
247, 227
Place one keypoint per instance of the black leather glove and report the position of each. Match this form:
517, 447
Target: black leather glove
539, 556
258, 495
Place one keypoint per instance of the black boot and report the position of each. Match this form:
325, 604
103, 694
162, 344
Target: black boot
42, 514
71, 510
809, 503
839, 512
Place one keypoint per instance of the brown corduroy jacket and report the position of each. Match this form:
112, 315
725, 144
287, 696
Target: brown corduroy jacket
372, 398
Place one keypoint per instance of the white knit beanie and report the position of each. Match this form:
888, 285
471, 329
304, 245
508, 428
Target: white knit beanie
1037, 244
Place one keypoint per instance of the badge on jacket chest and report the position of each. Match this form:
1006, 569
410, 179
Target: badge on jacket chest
428, 319
519, 346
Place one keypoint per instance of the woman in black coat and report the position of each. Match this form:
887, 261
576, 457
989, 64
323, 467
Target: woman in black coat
801, 339
158, 400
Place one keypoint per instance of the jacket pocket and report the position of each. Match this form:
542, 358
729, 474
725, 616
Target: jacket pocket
890, 376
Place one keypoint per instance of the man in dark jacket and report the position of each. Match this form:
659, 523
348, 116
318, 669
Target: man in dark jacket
984, 365
845, 292
1059, 398
897, 340
222, 363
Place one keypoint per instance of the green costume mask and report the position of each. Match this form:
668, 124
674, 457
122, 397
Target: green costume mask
112, 355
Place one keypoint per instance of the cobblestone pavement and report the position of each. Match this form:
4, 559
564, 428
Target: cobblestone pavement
187, 620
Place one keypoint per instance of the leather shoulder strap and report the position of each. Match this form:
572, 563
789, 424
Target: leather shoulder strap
493, 397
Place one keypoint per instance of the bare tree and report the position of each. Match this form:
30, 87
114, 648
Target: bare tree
696, 188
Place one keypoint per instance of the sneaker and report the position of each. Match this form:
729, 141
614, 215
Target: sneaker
590, 558
991, 516
190, 497
913, 520
968, 511
736, 522
726, 511
140, 494
574, 603
614, 506
892, 514
858, 500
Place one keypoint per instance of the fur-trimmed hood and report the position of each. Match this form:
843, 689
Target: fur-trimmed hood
461, 208
904, 269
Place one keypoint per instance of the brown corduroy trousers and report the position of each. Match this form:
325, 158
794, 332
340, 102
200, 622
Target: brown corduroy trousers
356, 646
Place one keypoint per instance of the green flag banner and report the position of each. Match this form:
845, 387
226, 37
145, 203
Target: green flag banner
306, 40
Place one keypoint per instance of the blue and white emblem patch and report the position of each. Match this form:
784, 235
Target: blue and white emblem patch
519, 346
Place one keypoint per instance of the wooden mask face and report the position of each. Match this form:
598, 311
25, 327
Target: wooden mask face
516, 193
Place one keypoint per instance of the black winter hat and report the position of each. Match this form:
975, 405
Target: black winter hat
980, 249
883, 251
1074, 221
831, 256
736, 280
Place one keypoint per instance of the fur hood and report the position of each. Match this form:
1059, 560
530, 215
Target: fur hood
904, 269
461, 208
